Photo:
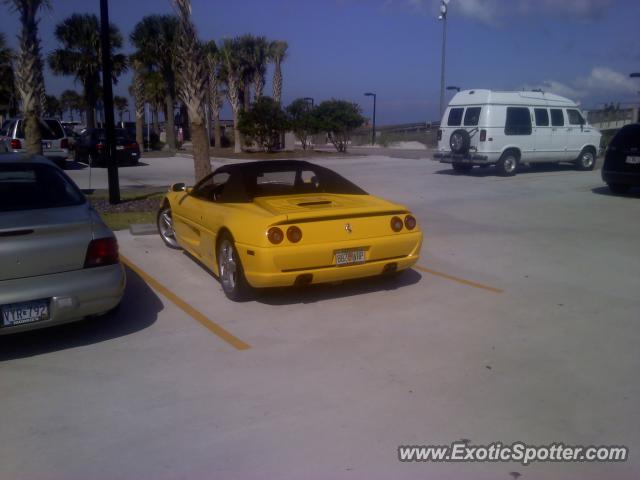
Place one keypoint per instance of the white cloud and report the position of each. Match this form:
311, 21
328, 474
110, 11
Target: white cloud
492, 12
601, 82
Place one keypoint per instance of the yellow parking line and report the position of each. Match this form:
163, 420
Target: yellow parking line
198, 316
458, 279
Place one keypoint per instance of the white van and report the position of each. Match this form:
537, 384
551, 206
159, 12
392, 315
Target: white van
485, 127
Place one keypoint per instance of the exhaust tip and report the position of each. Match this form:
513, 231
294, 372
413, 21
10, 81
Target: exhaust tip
390, 268
304, 279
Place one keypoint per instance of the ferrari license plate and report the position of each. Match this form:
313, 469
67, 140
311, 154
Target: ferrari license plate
633, 160
349, 257
25, 312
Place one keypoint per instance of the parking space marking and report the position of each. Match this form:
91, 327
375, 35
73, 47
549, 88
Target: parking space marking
197, 315
458, 279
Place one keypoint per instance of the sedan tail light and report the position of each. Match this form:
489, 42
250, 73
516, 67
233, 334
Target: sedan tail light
100, 146
131, 146
64, 143
101, 252
15, 144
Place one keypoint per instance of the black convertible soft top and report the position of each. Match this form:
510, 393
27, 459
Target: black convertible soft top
249, 180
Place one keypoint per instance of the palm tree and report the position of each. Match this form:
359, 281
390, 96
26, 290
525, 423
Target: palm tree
81, 56
29, 77
155, 38
70, 101
120, 104
214, 72
246, 47
278, 52
192, 77
258, 60
233, 63
7, 78
136, 90
154, 95
53, 106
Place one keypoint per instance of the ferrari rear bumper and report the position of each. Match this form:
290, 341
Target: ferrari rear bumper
291, 265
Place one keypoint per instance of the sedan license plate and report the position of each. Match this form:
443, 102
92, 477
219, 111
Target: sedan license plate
119, 147
349, 257
46, 144
633, 160
25, 312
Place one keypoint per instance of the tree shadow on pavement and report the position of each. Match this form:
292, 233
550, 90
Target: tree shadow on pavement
139, 309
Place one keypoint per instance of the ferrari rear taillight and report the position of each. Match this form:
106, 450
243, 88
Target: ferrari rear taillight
396, 224
410, 222
275, 235
101, 252
294, 234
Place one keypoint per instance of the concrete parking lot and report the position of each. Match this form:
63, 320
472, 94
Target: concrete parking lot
520, 323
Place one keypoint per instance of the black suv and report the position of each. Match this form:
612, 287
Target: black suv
621, 169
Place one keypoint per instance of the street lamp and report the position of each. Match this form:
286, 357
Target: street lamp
373, 132
451, 87
443, 17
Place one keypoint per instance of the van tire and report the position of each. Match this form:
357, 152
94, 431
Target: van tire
460, 141
462, 167
586, 160
508, 164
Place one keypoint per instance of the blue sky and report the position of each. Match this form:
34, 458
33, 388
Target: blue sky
583, 49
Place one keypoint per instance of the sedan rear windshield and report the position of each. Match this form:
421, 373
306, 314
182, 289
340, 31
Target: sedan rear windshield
51, 130
628, 137
29, 186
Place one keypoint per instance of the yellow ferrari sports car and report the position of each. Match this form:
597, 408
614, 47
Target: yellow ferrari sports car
285, 223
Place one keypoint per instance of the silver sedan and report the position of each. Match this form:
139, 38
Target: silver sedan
58, 260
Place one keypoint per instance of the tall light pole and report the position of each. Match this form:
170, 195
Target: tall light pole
107, 94
373, 132
443, 17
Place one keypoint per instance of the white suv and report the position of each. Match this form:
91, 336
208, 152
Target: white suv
484, 127
55, 144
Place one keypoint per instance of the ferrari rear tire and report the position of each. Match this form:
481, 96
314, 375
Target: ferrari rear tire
164, 221
230, 271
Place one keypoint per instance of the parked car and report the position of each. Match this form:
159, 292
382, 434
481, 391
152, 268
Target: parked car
621, 169
59, 260
506, 129
282, 223
55, 144
91, 147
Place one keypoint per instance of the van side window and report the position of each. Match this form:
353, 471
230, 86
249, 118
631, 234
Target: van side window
557, 119
542, 117
518, 121
574, 117
472, 116
455, 117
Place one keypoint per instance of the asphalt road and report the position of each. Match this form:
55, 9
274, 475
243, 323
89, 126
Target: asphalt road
520, 324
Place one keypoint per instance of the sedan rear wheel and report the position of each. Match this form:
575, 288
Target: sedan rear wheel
165, 227
230, 271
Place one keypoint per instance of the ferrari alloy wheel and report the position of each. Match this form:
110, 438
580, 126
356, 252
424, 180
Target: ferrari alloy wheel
230, 271
165, 227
